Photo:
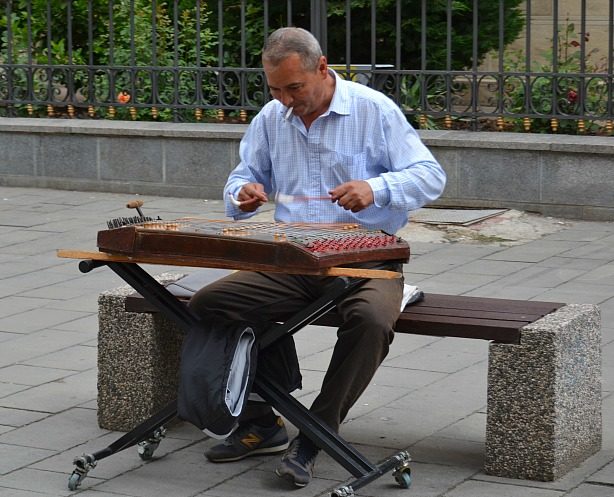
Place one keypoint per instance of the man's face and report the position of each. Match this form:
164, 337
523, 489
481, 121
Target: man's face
305, 91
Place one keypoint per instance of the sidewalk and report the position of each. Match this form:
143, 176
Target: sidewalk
429, 396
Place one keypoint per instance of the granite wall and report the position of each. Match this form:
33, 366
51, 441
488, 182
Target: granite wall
557, 175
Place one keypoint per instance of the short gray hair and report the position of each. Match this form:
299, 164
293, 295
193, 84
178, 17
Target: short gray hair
283, 42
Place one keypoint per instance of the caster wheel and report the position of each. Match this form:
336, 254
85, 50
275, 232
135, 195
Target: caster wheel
74, 480
345, 491
403, 477
146, 450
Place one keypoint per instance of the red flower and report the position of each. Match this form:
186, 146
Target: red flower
123, 97
572, 96
574, 43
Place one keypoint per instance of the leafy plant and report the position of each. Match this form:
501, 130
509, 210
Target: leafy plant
139, 59
561, 84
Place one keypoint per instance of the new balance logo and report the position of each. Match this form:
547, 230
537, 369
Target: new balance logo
251, 440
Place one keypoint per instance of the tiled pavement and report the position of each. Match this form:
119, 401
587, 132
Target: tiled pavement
429, 396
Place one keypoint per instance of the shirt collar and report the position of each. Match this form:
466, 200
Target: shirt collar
340, 104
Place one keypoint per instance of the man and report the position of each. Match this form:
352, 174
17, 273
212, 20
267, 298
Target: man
346, 153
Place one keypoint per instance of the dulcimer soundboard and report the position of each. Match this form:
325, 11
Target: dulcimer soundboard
272, 246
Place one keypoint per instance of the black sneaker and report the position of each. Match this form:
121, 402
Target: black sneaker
250, 440
297, 463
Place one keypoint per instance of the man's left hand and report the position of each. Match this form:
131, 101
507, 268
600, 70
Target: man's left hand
353, 196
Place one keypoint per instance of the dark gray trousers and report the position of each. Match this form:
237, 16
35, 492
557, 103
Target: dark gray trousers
363, 340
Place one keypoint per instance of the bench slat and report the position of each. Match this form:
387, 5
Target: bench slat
498, 320
439, 311
505, 331
486, 304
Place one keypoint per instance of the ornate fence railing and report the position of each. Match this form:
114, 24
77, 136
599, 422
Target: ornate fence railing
454, 64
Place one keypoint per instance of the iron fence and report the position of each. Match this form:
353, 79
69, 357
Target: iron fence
450, 64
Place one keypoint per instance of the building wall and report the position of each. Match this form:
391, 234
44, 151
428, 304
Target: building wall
569, 12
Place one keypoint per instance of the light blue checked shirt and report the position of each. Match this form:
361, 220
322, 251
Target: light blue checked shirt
362, 136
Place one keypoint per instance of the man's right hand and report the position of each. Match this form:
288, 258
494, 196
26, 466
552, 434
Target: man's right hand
251, 197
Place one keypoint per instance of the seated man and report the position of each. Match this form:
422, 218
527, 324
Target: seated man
346, 154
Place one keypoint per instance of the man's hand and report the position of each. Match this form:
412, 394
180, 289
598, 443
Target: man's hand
353, 196
251, 197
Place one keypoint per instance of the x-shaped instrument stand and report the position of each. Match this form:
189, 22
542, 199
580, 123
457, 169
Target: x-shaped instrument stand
148, 434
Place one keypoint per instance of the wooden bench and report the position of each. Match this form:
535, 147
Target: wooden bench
544, 393
498, 320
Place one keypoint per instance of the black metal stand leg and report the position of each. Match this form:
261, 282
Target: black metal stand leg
329, 441
318, 432
402, 474
151, 431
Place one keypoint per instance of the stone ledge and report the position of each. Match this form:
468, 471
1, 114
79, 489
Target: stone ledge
122, 128
555, 175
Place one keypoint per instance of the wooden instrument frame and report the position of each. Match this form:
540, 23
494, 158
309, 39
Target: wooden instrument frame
217, 263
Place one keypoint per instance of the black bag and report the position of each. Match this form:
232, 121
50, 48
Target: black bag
217, 370
280, 362
218, 365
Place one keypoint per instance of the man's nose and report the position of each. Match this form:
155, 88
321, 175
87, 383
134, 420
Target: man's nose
286, 99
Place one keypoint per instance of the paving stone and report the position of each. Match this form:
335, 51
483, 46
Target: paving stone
20, 417
484, 489
264, 484
13, 492
57, 432
567, 482
55, 396
496, 268
13, 457
79, 358
35, 344
446, 356
40, 481
4, 336
10, 388
408, 378
17, 268
110, 467
578, 235
578, 292
458, 283
571, 263
86, 302
471, 428
592, 490
38, 319
534, 251
603, 275
428, 480
12, 305
450, 452
180, 474
604, 476
513, 293
598, 250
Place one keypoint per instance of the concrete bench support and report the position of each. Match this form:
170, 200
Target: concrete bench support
138, 361
544, 397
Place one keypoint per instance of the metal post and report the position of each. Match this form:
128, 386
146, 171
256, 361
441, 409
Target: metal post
318, 22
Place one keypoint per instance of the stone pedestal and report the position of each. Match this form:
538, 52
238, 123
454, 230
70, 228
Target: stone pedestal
544, 397
138, 361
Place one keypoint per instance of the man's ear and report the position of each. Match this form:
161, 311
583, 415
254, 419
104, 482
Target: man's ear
323, 66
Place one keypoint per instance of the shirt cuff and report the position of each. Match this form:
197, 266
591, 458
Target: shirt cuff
381, 194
